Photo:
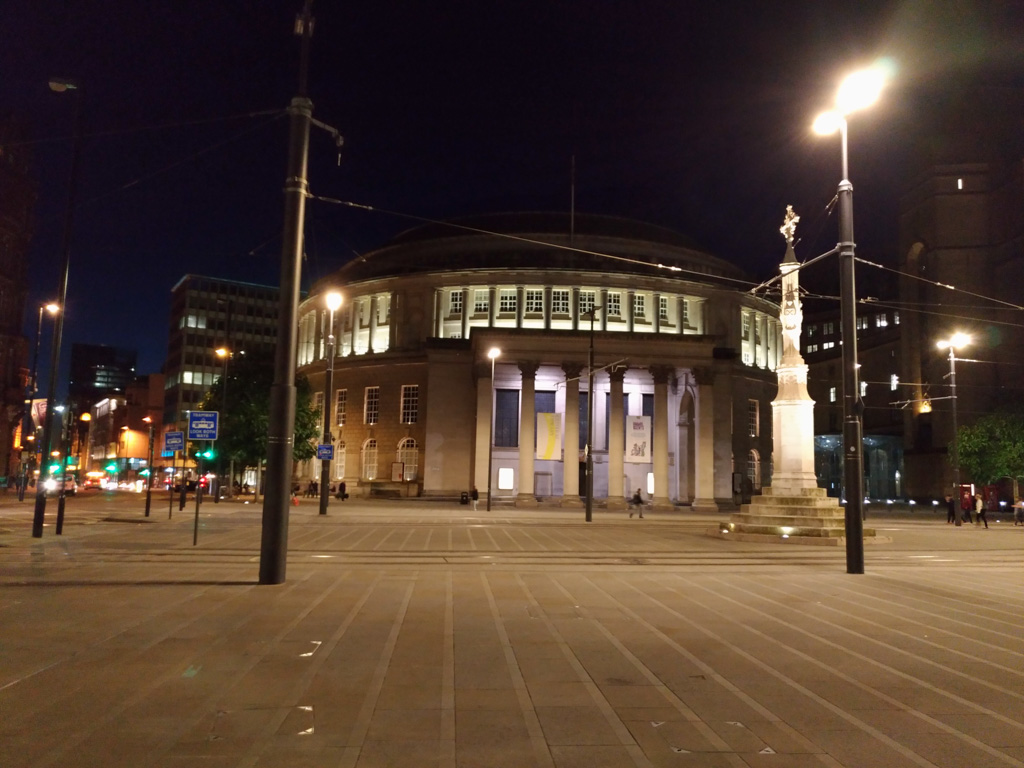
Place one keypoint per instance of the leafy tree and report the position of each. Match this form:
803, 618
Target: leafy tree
993, 447
246, 418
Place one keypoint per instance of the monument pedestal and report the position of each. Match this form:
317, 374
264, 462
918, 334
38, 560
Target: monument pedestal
806, 516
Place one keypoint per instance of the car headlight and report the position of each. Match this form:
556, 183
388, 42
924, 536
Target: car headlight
51, 485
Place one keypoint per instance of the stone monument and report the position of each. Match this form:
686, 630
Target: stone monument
793, 508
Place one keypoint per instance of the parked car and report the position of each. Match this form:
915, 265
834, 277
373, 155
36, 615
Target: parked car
70, 485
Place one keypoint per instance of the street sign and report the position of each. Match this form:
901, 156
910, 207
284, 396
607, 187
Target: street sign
174, 441
202, 425
325, 452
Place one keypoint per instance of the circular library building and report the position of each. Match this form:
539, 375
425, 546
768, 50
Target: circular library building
509, 352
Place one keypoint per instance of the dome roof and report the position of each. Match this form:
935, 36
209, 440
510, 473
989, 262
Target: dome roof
538, 241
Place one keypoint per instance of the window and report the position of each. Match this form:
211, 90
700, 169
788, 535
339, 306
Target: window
753, 423
368, 460
615, 304
586, 302
506, 418
812, 348
811, 330
829, 329
535, 301
455, 303
410, 403
686, 312
663, 307
895, 318
746, 326
340, 405
862, 323
481, 302
754, 470
894, 382
371, 405
639, 305
881, 321
863, 388
408, 454
318, 406
508, 301
339, 460
831, 394
560, 301
828, 345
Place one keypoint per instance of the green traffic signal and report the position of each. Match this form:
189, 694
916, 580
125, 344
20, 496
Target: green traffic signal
209, 453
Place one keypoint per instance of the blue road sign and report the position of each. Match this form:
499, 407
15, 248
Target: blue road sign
325, 452
202, 425
174, 441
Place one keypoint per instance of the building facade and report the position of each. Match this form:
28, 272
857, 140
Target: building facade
683, 364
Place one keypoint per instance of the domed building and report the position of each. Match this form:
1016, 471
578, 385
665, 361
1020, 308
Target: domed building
683, 364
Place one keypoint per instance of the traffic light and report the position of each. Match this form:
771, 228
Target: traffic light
209, 453
111, 468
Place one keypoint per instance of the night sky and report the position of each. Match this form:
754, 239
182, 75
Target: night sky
694, 116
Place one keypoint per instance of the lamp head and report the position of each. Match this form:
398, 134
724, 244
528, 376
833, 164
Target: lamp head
85, 417
333, 301
148, 419
53, 308
223, 352
827, 123
860, 90
61, 84
956, 341
493, 353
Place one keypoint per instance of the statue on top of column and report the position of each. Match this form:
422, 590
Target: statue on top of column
792, 317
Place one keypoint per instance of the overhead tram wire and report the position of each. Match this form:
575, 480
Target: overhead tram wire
531, 241
1009, 304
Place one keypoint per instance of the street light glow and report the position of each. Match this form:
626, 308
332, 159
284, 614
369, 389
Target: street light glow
333, 300
493, 353
53, 308
827, 123
957, 341
222, 352
859, 90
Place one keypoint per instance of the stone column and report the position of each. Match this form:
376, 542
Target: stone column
604, 311
704, 493
395, 311
492, 306
373, 323
481, 445
630, 310
527, 434
659, 444
656, 311
616, 440
520, 305
547, 307
439, 313
574, 308
466, 309
571, 437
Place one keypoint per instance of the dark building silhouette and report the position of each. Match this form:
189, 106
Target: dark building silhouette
99, 371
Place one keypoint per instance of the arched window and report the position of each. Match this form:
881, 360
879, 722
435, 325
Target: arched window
409, 455
339, 460
369, 460
754, 469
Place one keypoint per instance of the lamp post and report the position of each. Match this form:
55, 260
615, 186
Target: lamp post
493, 353
30, 391
952, 343
333, 301
857, 91
59, 86
590, 421
149, 466
65, 427
224, 354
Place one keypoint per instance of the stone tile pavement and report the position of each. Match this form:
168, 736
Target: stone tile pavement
420, 634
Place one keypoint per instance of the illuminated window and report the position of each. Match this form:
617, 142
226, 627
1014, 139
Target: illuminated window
686, 312
828, 344
368, 460
639, 305
615, 304
318, 406
410, 403
753, 422
828, 329
831, 394
863, 388
481, 302
340, 406
663, 307
862, 323
812, 348
455, 303
371, 405
895, 318
894, 382
535, 301
881, 321
746, 326
560, 301
754, 469
408, 454
339, 460
508, 301
586, 302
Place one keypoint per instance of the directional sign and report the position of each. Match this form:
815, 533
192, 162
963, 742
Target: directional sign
202, 425
174, 441
325, 452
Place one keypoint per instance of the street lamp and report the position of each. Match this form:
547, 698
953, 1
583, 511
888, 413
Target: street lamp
149, 466
858, 91
59, 85
30, 391
224, 354
955, 341
590, 421
493, 353
65, 432
333, 301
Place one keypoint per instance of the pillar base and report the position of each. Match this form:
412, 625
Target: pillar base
704, 505
571, 501
526, 500
615, 504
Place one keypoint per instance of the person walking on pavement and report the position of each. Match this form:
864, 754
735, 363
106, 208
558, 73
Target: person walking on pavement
638, 502
951, 515
979, 510
475, 496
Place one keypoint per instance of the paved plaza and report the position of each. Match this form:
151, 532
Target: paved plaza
423, 634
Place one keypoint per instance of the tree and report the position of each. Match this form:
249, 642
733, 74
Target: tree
245, 418
993, 447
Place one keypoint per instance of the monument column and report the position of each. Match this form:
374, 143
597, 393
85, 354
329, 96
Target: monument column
527, 434
571, 437
616, 440
484, 405
704, 493
659, 442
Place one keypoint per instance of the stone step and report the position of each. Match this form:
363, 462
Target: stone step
791, 520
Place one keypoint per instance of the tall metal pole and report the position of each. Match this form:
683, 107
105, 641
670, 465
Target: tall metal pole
39, 515
65, 433
590, 423
223, 411
325, 464
853, 406
149, 466
281, 430
26, 423
490, 439
956, 447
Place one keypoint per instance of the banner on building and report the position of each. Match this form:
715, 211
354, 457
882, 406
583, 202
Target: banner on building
638, 439
38, 411
549, 436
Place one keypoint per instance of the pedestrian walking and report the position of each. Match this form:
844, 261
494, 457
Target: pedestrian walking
638, 502
475, 496
1018, 512
979, 510
951, 516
